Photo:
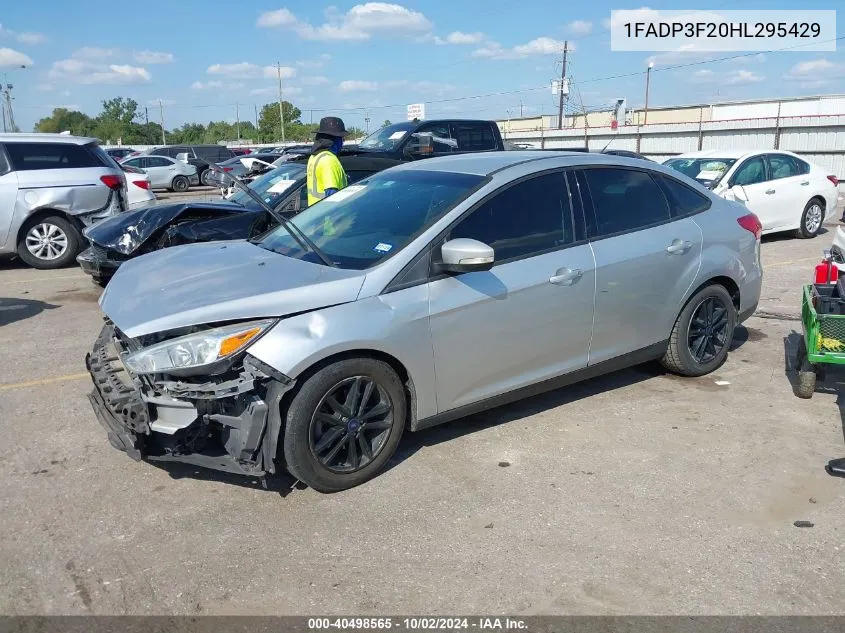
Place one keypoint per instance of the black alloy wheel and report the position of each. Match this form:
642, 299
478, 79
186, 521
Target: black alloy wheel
351, 425
708, 332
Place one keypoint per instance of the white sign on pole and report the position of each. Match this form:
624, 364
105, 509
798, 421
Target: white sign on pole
416, 111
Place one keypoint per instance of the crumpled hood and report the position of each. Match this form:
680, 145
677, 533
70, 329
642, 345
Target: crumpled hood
125, 232
219, 281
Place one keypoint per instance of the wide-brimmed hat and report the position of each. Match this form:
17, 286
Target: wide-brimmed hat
332, 126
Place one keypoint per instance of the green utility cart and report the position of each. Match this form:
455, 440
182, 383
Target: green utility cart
823, 320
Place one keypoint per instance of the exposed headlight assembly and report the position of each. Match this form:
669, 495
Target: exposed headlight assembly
196, 350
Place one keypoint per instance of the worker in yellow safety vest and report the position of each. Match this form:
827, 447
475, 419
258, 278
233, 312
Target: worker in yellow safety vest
325, 174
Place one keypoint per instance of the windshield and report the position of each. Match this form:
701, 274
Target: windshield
707, 171
387, 138
367, 222
271, 186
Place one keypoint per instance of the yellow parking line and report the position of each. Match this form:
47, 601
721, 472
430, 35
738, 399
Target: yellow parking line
42, 381
26, 281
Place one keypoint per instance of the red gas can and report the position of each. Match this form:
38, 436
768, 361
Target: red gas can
826, 272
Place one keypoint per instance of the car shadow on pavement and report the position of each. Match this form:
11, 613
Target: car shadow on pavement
787, 236
12, 310
280, 483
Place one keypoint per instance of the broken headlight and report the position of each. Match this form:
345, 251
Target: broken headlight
196, 350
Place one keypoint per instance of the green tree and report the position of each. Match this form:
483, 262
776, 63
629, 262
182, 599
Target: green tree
62, 120
269, 123
355, 132
386, 123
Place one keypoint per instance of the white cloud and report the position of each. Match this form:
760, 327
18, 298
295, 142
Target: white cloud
10, 57
357, 86
152, 57
730, 78
316, 80
89, 73
45, 87
361, 22
683, 56
534, 48
208, 85
579, 27
623, 16
759, 58
815, 73
245, 70
319, 62
26, 37
280, 17
457, 37
94, 53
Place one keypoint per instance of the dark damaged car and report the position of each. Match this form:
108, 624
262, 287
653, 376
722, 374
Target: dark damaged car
240, 216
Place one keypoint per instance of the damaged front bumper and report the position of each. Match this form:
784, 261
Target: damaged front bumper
229, 422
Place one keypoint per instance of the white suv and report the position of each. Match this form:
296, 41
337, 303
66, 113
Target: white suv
782, 189
51, 187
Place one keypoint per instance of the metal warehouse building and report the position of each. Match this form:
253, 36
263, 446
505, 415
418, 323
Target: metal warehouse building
811, 126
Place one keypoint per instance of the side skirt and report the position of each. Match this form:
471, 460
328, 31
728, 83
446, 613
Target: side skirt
638, 357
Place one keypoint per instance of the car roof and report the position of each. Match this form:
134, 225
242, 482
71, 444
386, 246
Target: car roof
19, 137
725, 153
488, 163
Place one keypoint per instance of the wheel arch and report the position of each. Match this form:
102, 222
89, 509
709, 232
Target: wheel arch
43, 213
392, 361
716, 280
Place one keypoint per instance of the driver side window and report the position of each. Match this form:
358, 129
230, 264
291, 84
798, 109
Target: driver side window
750, 172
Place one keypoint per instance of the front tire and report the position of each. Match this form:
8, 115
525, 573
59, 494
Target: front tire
811, 219
49, 242
344, 424
180, 184
703, 332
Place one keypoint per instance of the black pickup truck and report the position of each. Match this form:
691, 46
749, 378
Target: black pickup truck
413, 140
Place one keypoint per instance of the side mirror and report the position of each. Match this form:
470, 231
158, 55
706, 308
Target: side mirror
464, 255
218, 178
738, 192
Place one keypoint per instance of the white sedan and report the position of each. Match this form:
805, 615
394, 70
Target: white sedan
165, 172
786, 192
140, 193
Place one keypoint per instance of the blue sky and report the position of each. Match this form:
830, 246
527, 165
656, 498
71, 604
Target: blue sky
203, 58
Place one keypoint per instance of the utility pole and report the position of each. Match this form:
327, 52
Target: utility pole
520, 109
8, 114
281, 110
255, 107
562, 81
367, 121
161, 118
238, 119
647, 82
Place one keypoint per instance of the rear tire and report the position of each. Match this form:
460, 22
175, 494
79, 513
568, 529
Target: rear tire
49, 242
811, 219
180, 184
376, 421
805, 386
702, 334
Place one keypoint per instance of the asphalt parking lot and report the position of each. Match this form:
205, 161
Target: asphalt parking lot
636, 493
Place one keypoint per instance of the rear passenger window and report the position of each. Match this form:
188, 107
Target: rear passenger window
157, 161
474, 137
682, 199
525, 219
782, 166
4, 164
625, 200
31, 156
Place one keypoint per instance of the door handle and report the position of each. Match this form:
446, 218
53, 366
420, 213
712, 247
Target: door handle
678, 247
805, 183
566, 276
769, 191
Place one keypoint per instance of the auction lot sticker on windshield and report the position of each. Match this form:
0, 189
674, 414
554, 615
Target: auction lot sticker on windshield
279, 186
343, 194
381, 247
709, 175
397, 135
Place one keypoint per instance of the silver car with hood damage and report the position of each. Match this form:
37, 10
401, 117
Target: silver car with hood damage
52, 186
416, 296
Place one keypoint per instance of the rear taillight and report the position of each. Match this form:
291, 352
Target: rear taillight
834, 180
112, 182
751, 223
143, 184
228, 168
